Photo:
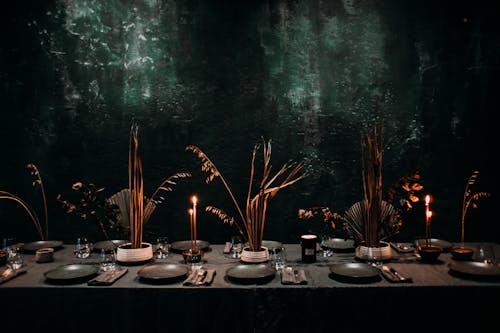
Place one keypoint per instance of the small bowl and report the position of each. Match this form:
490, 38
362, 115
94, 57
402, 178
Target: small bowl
192, 256
429, 253
461, 253
3, 257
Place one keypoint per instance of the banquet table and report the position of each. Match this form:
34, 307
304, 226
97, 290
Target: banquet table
435, 299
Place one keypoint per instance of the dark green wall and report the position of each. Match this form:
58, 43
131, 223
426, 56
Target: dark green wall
309, 75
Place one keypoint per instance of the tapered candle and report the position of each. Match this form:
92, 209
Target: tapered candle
194, 200
428, 215
190, 212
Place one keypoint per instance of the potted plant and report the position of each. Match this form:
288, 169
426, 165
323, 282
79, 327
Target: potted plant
140, 208
252, 219
470, 199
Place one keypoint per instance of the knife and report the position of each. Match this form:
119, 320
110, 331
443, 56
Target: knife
399, 276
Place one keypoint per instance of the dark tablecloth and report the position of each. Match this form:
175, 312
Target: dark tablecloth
435, 299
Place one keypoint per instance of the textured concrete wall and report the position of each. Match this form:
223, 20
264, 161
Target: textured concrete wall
309, 75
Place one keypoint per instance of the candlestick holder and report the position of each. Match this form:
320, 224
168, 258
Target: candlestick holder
192, 255
429, 253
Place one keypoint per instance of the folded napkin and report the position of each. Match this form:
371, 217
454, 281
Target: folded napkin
108, 278
200, 277
291, 276
7, 274
227, 248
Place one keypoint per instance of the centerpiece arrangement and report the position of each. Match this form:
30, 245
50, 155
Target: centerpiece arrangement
259, 194
376, 217
140, 208
470, 200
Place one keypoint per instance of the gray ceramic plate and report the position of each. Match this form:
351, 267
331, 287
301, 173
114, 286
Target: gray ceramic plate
445, 245
338, 244
71, 272
250, 271
162, 271
354, 270
271, 244
108, 244
33, 246
475, 269
180, 246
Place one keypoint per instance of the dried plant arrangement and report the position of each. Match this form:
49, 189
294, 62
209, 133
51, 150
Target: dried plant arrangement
253, 218
140, 207
470, 199
91, 204
37, 182
375, 217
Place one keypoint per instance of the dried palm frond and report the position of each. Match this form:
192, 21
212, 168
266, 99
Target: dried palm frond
136, 186
470, 199
139, 207
31, 212
27, 208
371, 170
254, 217
38, 182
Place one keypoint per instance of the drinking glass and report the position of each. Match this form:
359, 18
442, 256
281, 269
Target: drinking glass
278, 257
326, 249
82, 248
236, 246
107, 260
15, 259
486, 254
162, 247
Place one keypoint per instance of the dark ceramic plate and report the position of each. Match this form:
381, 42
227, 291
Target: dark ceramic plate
108, 245
338, 244
71, 273
354, 272
250, 273
474, 269
33, 246
180, 246
163, 272
445, 245
271, 244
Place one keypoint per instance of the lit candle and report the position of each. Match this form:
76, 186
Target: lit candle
194, 200
190, 212
428, 215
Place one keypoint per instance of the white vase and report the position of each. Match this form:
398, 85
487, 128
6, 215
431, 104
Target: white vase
374, 253
250, 256
127, 255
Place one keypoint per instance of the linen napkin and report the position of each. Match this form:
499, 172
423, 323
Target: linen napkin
108, 278
200, 277
291, 276
7, 274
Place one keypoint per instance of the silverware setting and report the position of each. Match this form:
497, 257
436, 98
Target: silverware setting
394, 275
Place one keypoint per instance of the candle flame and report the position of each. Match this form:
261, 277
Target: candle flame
429, 214
427, 199
194, 199
190, 211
